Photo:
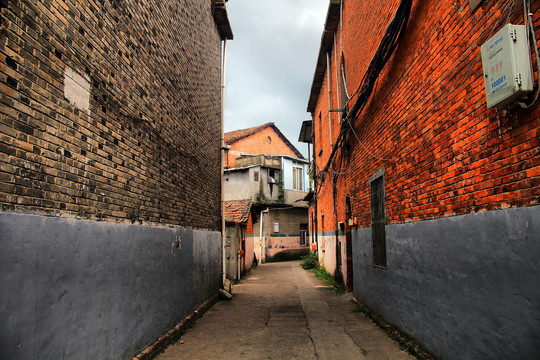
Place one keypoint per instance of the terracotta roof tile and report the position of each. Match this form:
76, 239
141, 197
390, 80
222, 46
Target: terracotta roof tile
233, 136
237, 211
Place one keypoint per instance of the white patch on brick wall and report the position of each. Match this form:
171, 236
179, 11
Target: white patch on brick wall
77, 89
473, 4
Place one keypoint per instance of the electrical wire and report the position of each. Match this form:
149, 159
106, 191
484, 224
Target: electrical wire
509, 11
388, 44
348, 121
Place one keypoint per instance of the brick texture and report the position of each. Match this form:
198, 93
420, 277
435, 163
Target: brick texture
445, 153
148, 148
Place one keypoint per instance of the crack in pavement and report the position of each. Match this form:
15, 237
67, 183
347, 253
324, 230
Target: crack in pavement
328, 336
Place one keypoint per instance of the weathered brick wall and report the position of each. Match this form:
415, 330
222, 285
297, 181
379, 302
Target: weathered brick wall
445, 153
258, 144
148, 147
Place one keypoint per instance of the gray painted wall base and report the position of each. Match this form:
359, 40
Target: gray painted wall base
467, 287
75, 289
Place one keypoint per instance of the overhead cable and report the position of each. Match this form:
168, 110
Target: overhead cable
388, 44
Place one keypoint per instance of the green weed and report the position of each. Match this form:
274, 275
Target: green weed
310, 260
328, 279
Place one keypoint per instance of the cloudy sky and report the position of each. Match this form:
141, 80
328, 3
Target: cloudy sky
271, 62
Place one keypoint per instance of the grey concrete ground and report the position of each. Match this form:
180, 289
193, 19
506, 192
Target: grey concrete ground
281, 311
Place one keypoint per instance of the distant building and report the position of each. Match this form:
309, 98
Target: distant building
110, 179
239, 253
265, 139
271, 173
426, 201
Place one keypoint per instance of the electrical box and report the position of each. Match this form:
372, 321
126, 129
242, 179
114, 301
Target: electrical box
507, 66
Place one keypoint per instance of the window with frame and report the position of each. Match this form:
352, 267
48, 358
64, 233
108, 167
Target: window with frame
255, 176
298, 178
272, 176
473, 4
378, 218
302, 237
319, 131
344, 94
303, 234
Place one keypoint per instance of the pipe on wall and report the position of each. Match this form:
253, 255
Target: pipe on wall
261, 234
223, 259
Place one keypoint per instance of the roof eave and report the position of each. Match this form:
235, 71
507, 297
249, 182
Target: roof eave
276, 130
327, 39
289, 144
222, 20
253, 131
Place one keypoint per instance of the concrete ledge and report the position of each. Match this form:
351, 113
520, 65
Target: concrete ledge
165, 339
471, 280
405, 342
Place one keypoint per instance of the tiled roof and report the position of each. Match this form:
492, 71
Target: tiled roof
233, 136
237, 211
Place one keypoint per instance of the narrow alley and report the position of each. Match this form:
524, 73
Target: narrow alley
153, 151
281, 311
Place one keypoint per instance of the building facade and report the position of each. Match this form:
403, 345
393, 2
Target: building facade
265, 139
109, 172
239, 253
276, 183
426, 201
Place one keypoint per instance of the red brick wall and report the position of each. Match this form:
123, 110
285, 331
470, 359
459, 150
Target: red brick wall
445, 153
258, 144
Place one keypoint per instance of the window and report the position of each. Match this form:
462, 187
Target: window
298, 178
272, 176
302, 237
269, 140
303, 234
378, 218
255, 176
473, 4
344, 95
276, 226
319, 144
348, 211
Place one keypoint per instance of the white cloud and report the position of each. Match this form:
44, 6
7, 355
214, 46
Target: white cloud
271, 61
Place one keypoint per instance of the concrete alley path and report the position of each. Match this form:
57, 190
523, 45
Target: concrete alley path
281, 311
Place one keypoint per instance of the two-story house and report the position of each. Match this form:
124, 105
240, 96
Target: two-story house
267, 171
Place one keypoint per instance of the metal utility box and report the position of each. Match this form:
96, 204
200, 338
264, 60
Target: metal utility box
507, 66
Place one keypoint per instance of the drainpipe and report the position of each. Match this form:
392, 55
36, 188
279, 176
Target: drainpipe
223, 259
261, 235
238, 263
338, 95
